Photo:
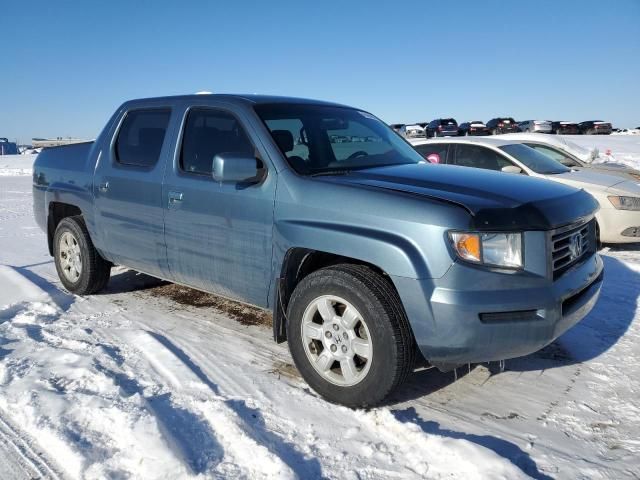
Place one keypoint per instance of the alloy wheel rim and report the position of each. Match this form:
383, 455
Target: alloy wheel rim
337, 340
70, 257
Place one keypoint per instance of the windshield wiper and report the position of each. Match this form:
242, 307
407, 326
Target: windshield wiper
330, 172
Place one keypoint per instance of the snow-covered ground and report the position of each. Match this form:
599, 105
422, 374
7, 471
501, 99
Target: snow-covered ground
619, 148
16, 164
149, 380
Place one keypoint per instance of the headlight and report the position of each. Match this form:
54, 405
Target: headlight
493, 249
625, 203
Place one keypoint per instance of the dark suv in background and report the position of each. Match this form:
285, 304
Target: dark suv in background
473, 128
565, 128
595, 127
503, 125
442, 127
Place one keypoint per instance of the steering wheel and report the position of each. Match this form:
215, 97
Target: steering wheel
359, 153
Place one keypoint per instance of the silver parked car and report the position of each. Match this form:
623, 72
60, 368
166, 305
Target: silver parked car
535, 126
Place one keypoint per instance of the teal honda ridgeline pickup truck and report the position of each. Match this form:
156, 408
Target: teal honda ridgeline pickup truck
368, 256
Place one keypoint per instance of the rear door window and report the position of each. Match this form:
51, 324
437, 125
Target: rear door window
433, 152
141, 136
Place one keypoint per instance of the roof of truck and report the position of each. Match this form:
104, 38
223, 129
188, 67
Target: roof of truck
243, 98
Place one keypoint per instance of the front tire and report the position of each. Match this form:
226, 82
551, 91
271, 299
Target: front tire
349, 335
79, 265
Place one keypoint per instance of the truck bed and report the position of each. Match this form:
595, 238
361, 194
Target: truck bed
62, 172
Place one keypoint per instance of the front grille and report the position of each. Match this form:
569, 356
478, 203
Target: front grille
570, 245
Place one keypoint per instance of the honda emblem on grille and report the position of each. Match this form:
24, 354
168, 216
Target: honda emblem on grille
575, 246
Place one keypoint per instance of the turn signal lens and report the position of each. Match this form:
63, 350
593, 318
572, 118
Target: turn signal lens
467, 245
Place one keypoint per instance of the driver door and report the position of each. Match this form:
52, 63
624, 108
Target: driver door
218, 235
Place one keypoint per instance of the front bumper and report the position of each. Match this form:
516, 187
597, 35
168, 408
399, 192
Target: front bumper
532, 311
618, 226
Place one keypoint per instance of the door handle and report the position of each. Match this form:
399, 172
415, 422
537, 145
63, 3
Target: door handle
175, 198
104, 187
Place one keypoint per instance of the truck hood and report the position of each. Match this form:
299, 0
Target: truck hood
495, 200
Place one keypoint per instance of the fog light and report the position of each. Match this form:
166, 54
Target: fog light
631, 232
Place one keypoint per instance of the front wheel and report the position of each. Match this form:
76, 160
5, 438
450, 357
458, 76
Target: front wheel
80, 267
349, 336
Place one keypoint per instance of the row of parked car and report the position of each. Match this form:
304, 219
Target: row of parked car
448, 127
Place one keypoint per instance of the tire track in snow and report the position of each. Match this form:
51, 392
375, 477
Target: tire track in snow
28, 457
190, 388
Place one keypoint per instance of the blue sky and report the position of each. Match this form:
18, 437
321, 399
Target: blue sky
66, 66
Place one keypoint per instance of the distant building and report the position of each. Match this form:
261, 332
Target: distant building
54, 142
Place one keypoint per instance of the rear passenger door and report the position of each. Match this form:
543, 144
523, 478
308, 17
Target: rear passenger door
433, 152
128, 191
218, 235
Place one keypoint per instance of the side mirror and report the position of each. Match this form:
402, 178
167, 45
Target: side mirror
511, 169
230, 167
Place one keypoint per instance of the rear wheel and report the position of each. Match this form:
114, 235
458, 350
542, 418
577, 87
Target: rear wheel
79, 265
349, 336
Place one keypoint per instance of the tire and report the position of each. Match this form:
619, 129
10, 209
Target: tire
379, 321
79, 265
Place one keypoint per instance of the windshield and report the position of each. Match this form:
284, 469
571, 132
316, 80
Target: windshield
578, 148
563, 157
319, 139
535, 160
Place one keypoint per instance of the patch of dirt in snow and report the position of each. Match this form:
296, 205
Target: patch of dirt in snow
245, 314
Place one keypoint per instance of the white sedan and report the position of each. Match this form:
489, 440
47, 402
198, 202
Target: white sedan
619, 198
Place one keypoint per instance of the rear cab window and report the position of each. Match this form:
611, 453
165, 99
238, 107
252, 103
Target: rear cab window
141, 136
